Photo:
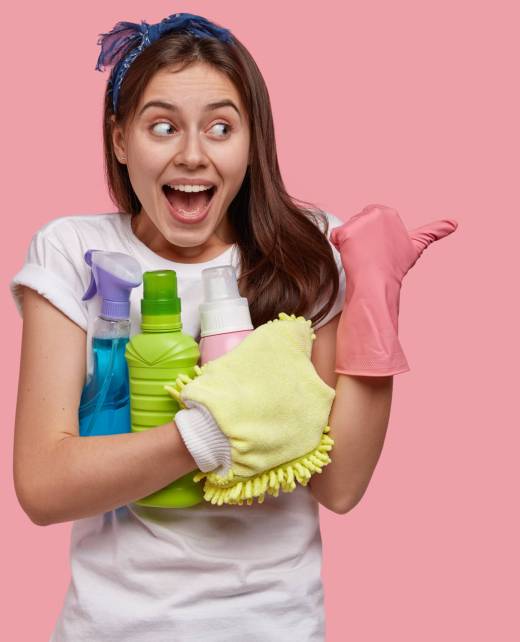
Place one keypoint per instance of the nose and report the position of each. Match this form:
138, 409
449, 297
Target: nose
191, 152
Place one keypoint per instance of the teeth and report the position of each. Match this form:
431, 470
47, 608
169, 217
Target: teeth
190, 188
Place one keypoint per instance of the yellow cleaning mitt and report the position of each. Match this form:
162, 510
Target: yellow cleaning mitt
269, 401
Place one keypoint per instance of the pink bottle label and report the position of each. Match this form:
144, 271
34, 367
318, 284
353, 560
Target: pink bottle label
216, 345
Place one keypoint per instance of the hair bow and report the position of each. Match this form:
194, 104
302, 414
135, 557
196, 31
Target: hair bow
133, 37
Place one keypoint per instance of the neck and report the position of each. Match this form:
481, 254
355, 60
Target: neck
148, 234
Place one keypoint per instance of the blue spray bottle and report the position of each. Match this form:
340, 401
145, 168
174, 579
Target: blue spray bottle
105, 401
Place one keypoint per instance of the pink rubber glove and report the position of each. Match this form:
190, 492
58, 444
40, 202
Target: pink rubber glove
377, 251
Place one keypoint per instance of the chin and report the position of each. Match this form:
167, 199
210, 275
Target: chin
187, 235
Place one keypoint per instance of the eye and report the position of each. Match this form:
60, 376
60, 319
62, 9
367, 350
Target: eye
162, 123
222, 125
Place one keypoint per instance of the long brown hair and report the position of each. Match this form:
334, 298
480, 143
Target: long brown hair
286, 262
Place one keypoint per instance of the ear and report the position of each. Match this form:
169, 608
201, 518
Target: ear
118, 141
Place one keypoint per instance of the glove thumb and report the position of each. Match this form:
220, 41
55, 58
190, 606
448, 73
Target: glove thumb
421, 237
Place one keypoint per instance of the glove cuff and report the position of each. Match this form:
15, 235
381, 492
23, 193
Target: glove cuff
208, 445
367, 341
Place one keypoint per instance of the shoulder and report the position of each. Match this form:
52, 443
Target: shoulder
71, 236
63, 230
326, 221
334, 221
55, 266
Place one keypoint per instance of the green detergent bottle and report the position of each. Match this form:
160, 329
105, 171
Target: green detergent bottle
155, 358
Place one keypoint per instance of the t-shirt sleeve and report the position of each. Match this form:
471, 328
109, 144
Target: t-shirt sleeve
340, 297
49, 270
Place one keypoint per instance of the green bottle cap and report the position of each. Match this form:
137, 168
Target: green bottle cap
160, 305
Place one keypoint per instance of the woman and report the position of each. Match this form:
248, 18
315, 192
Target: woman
186, 105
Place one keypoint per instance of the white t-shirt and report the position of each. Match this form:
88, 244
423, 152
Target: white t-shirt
206, 573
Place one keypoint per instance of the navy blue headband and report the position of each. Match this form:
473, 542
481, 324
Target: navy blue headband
114, 43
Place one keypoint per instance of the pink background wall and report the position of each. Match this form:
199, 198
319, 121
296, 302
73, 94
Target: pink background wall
405, 103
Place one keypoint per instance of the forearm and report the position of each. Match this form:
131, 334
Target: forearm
358, 423
91, 475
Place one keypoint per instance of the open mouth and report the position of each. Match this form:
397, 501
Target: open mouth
189, 204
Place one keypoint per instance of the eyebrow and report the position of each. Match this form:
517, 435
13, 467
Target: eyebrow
174, 108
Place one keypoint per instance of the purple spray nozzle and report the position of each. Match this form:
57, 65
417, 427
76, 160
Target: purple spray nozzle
114, 274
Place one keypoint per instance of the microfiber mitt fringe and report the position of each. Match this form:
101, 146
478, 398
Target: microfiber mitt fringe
230, 490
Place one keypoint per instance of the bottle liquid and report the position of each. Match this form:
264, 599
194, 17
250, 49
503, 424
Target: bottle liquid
156, 357
105, 404
225, 319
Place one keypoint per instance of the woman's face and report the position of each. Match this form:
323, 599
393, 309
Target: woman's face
192, 140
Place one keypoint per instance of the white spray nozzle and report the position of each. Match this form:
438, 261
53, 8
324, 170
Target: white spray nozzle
219, 283
223, 309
